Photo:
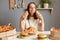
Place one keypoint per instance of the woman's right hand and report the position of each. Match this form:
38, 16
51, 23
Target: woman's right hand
25, 15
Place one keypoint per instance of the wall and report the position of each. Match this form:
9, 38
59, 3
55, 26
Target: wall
13, 16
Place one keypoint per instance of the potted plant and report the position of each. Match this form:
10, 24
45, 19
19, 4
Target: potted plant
46, 3
39, 5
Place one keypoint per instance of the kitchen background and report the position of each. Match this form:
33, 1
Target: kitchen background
13, 16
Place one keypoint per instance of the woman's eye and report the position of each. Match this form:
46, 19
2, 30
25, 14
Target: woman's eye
33, 8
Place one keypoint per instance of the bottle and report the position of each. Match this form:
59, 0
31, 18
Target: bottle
22, 4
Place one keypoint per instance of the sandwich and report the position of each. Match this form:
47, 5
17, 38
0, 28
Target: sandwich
31, 30
23, 34
42, 37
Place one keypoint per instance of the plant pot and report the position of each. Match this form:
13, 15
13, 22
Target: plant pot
46, 5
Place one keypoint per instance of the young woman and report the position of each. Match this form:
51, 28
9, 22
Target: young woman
31, 17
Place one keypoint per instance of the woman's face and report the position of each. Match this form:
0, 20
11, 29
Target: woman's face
32, 9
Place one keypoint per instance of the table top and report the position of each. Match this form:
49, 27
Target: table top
33, 37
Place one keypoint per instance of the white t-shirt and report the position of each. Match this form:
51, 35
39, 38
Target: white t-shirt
32, 22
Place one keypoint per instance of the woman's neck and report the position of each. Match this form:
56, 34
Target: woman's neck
31, 14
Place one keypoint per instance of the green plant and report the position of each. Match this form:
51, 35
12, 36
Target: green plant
46, 1
39, 5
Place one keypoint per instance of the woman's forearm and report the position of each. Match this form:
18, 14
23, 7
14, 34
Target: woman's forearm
42, 26
41, 23
22, 25
22, 21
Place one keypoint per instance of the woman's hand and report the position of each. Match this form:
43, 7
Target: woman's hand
25, 15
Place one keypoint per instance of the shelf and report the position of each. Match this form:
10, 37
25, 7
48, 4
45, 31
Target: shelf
45, 8
50, 9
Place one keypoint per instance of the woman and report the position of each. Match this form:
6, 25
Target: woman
31, 17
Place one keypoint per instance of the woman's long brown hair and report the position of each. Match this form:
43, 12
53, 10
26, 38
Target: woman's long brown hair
35, 17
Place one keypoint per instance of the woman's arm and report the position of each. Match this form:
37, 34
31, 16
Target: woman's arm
41, 23
22, 21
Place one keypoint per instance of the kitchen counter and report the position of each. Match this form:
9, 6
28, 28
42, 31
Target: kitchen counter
34, 37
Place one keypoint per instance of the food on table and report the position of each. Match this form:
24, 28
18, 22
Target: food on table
42, 37
1, 30
55, 34
5, 28
31, 30
23, 34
